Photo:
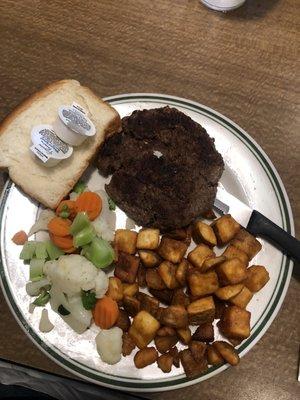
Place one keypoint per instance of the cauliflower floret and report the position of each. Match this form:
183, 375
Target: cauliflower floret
109, 345
101, 284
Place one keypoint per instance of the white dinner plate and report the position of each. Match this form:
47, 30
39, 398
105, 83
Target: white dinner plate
249, 175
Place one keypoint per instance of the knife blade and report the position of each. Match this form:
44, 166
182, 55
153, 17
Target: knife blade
256, 223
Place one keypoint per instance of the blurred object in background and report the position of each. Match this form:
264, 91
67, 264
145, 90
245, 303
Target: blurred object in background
223, 5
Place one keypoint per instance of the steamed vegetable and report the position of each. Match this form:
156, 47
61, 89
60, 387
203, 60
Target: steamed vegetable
45, 323
34, 288
65, 243
52, 250
106, 312
79, 187
41, 251
20, 238
59, 226
101, 284
88, 299
67, 209
62, 310
42, 222
28, 250
36, 269
105, 223
80, 222
42, 299
109, 345
111, 204
89, 202
84, 237
99, 252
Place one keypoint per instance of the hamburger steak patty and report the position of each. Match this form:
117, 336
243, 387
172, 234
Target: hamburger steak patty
165, 168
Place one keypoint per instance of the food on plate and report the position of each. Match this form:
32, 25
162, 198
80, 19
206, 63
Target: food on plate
148, 239
145, 357
199, 254
184, 335
45, 324
192, 368
225, 229
227, 352
143, 329
256, 278
204, 233
161, 162
235, 323
202, 284
204, 333
20, 238
106, 312
125, 240
109, 345
50, 185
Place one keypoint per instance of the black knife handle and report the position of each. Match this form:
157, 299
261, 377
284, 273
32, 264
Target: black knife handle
259, 225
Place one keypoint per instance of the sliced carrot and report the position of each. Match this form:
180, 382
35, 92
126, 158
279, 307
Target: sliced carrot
64, 243
106, 312
69, 206
20, 238
59, 226
89, 202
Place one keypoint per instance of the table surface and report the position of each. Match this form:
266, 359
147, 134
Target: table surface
243, 64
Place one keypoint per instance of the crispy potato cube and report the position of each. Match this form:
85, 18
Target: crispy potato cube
203, 233
123, 321
235, 342
204, 333
148, 239
220, 307
184, 335
145, 357
180, 298
247, 243
128, 344
198, 350
242, 299
165, 362
182, 234
225, 229
115, 288
181, 272
201, 311
148, 303
199, 255
141, 276
159, 314
231, 272
227, 292
167, 272
233, 252
212, 262
130, 289
175, 354
143, 329
165, 295
131, 305
165, 343
166, 331
235, 323
125, 240
154, 280
126, 267
227, 351
174, 316
149, 258
209, 214
213, 356
172, 250
191, 367
257, 277
202, 284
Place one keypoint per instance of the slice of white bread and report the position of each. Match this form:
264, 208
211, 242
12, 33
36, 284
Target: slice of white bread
45, 184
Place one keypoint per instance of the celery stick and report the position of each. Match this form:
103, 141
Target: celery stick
42, 299
36, 269
84, 237
99, 252
53, 251
28, 250
41, 251
80, 222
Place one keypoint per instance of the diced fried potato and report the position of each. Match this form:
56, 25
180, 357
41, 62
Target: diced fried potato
182, 234
201, 311
246, 242
181, 272
123, 321
128, 344
131, 305
174, 316
242, 299
166, 331
125, 240
209, 214
167, 272
235, 342
213, 356
184, 335
159, 314
202, 284
145, 357
231, 272
198, 350
165, 343
227, 351
204, 333
130, 289
148, 303
191, 367
232, 252
257, 277
227, 292
199, 255
154, 280
149, 258
165, 362
235, 323
172, 250
141, 276
220, 307
165, 295
148, 239
180, 298
225, 229
212, 262
175, 354
126, 267
143, 329
115, 289
203, 233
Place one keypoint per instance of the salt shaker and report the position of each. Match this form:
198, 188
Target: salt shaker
223, 5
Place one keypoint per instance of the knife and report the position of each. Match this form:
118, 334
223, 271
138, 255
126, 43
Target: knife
256, 223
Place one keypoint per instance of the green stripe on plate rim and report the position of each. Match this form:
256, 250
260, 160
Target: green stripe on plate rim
121, 382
